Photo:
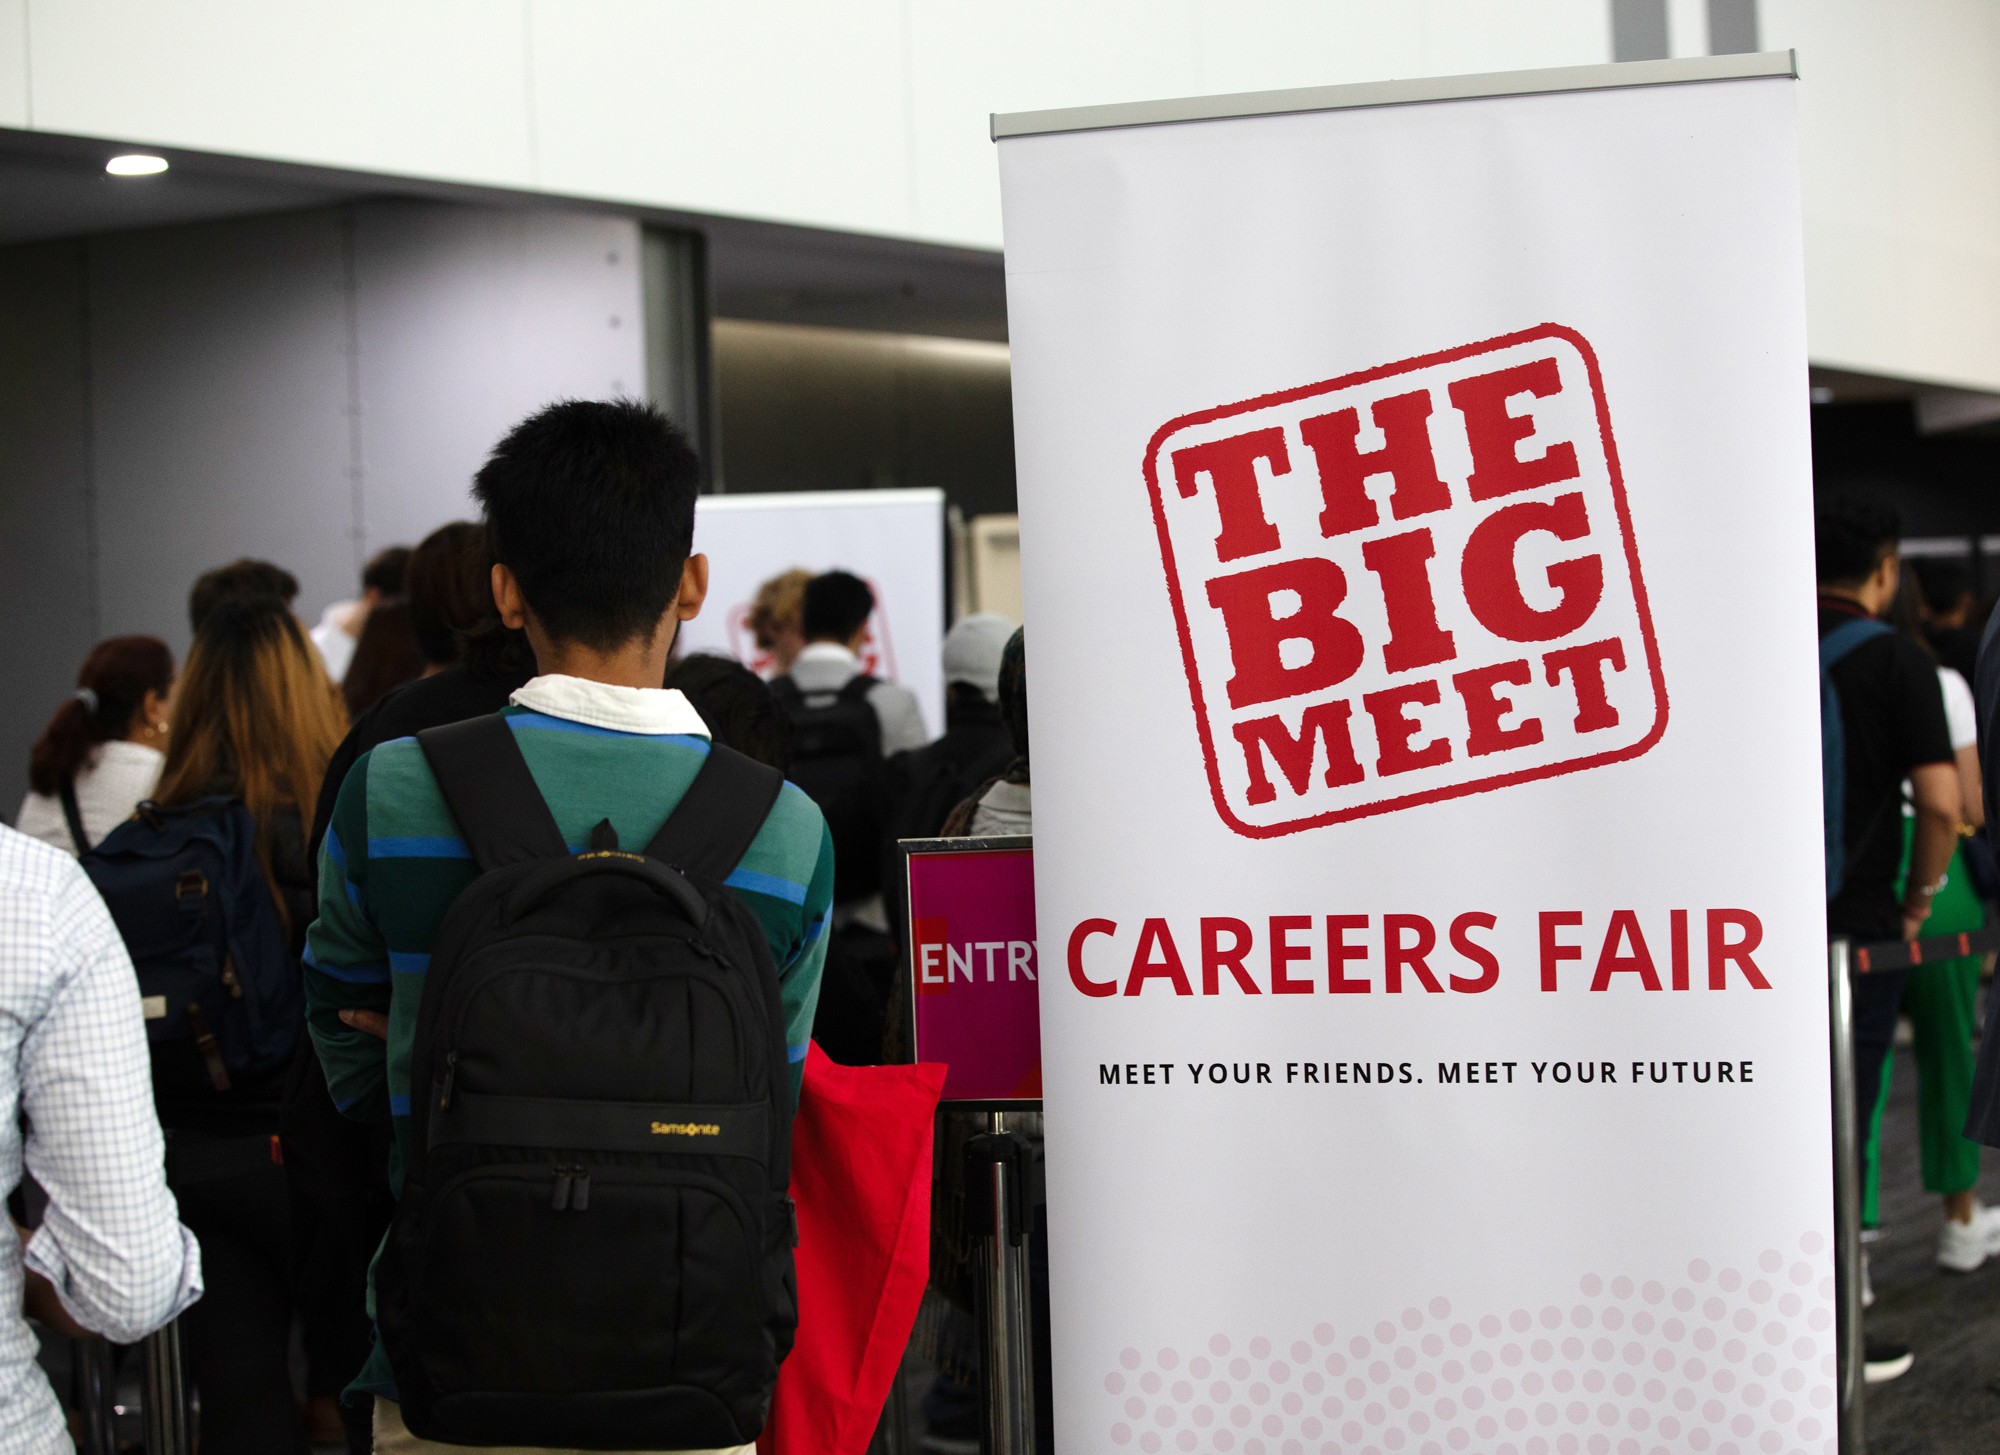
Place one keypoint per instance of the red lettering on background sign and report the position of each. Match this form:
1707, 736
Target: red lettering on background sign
1493, 580
1496, 433
1554, 952
1624, 929
1485, 705
1405, 458
1231, 466
1283, 952
1722, 952
1215, 959
1372, 604
1402, 564
1324, 722
1410, 945
1478, 954
1155, 936
1396, 955
1077, 936
1259, 625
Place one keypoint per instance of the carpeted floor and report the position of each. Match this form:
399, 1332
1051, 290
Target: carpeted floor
1943, 1406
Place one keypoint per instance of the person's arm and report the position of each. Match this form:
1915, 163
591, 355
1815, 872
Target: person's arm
800, 968
110, 1245
347, 963
1935, 789
1971, 788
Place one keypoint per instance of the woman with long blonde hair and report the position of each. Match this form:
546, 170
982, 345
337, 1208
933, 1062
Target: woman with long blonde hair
255, 718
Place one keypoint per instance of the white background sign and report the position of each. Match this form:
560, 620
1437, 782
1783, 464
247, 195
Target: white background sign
1416, 538
892, 539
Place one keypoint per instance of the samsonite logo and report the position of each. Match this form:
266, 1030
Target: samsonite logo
1407, 584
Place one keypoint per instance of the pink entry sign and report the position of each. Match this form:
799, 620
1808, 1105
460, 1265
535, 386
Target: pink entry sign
974, 967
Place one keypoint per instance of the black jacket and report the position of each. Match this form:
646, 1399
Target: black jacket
450, 696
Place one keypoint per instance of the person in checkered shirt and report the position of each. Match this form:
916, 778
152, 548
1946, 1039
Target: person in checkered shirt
110, 1256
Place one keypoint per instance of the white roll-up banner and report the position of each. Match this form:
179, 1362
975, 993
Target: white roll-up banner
1416, 537
892, 539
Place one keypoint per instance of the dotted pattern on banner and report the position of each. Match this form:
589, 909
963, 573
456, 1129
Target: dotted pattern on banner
1726, 1362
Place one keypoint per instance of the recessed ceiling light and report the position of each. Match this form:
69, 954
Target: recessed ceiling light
135, 166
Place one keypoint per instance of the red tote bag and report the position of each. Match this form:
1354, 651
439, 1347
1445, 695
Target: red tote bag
861, 1174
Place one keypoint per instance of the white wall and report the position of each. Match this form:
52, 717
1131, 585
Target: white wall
305, 387
467, 322
1900, 110
867, 115
870, 115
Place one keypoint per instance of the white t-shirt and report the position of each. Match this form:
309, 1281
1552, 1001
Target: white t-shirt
1006, 808
108, 787
336, 647
828, 667
1960, 715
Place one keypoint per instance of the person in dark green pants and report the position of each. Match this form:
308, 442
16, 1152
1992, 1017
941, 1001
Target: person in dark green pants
1940, 1000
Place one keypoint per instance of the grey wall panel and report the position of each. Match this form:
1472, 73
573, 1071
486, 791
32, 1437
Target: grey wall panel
1639, 30
833, 409
468, 321
220, 387
45, 570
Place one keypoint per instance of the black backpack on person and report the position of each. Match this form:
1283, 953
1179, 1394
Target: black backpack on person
594, 1244
837, 760
223, 1000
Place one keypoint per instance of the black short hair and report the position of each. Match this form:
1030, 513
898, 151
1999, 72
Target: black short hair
836, 606
1852, 535
239, 579
1945, 583
591, 506
384, 572
740, 710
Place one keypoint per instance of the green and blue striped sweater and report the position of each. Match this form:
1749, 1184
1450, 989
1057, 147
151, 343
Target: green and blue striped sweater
393, 862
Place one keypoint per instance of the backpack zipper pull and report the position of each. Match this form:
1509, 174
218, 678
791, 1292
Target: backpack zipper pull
450, 1072
579, 1195
560, 1201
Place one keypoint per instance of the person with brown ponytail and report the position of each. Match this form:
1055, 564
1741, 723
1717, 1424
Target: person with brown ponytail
103, 748
254, 718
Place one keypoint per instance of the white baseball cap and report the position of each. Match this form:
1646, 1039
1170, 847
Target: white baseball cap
972, 651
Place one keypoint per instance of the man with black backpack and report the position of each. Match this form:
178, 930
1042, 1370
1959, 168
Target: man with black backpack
846, 724
574, 950
1884, 722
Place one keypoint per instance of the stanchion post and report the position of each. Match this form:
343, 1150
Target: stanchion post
167, 1430
95, 1377
1846, 1201
996, 1204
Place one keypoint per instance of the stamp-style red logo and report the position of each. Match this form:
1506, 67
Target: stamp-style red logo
1407, 584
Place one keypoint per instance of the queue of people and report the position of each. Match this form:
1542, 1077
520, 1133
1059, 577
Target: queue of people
1906, 854
272, 837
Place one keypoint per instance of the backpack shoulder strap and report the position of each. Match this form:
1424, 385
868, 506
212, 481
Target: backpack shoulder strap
73, 815
489, 790
712, 827
1844, 638
858, 687
787, 692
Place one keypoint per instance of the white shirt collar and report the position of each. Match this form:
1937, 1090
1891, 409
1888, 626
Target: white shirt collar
653, 711
827, 652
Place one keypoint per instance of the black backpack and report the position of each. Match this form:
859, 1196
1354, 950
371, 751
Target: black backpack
837, 760
223, 996
594, 1244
